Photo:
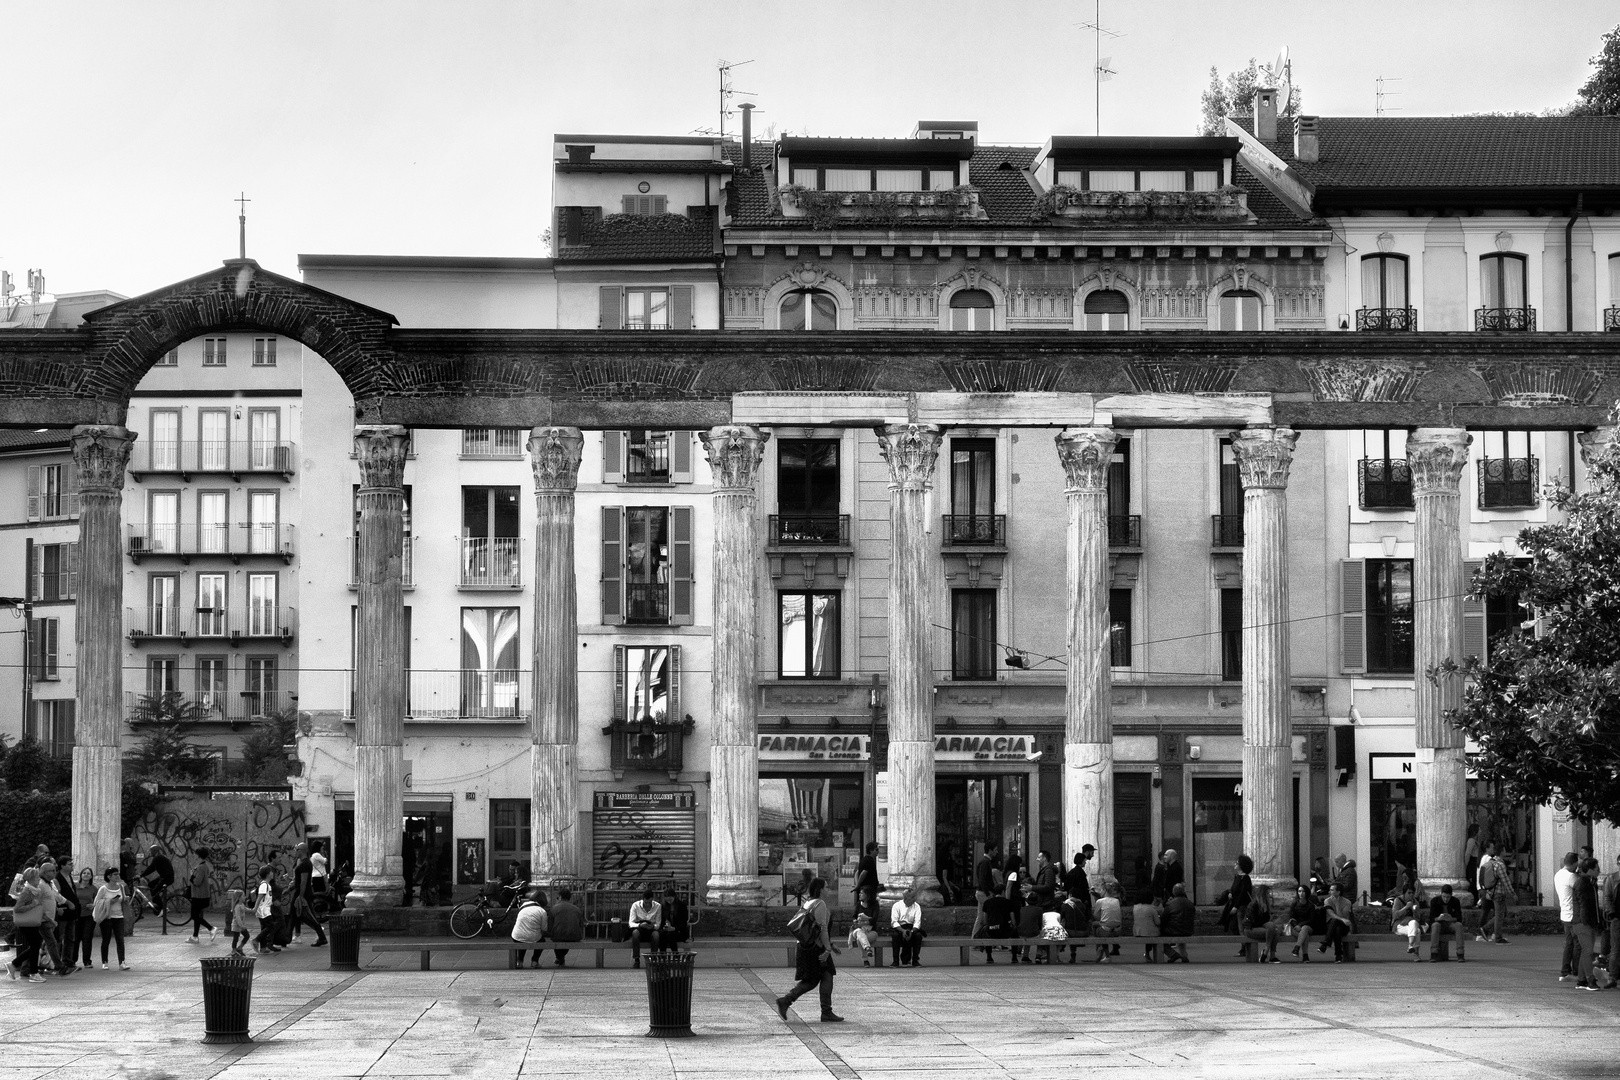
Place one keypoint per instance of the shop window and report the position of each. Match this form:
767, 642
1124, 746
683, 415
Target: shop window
1392, 829
509, 833
1375, 616
1119, 628
489, 661
970, 813
809, 309
1106, 309
1232, 635
972, 309
973, 633
808, 644
1217, 834
647, 565
812, 823
1494, 819
1239, 310
646, 456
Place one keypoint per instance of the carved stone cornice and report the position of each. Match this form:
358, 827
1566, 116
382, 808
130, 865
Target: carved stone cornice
1086, 453
1437, 457
380, 449
100, 455
911, 451
554, 454
734, 452
1264, 455
1595, 442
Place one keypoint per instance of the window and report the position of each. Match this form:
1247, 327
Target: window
1508, 474
972, 309
1240, 310
807, 483
973, 634
646, 569
213, 440
646, 309
808, 646
1232, 635
162, 596
164, 522
214, 352
264, 522
212, 684
1119, 628
264, 352
162, 675
1383, 281
492, 442
213, 522
809, 309
973, 491
1501, 281
1111, 180
53, 491
1385, 477
263, 697
56, 571
1505, 616
653, 308
1140, 179
1389, 616
490, 549
53, 726
648, 680
1106, 309
262, 615
509, 824
647, 565
646, 458
264, 435
211, 611
168, 359
42, 644
165, 448
489, 661
825, 179
643, 205
1121, 532
643, 456
1229, 522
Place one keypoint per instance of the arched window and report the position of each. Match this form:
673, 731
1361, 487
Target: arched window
1240, 310
1383, 294
972, 309
809, 309
1106, 309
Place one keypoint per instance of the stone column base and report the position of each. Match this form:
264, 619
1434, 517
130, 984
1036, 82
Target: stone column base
734, 890
926, 886
1277, 885
369, 892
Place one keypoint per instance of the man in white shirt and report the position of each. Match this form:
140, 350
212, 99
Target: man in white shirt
1564, 883
905, 929
531, 924
645, 916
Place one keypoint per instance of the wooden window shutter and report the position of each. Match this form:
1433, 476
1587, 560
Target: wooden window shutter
680, 457
70, 490
680, 307
630, 204
1473, 614
47, 648
613, 456
613, 565
70, 571
34, 488
36, 577
36, 635
1353, 616
680, 566
612, 317
618, 682
673, 715
660, 204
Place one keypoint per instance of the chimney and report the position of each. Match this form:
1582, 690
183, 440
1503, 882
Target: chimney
747, 108
1265, 114
1306, 145
579, 155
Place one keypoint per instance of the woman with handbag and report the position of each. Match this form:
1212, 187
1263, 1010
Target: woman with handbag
813, 966
85, 932
108, 912
200, 890
27, 916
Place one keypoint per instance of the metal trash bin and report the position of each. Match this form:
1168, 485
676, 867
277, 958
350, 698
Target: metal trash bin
227, 996
343, 941
669, 995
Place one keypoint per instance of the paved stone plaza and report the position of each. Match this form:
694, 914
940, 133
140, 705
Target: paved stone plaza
1501, 1014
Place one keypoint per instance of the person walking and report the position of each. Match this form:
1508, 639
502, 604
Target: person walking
51, 902
317, 869
986, 882
813, 966
531, 925
264, 909
303, 901
866, 880
1239, 893
84, 889
67, 916
244, 923
1588, 923
108, 913
200, 890
1491, 886
27, 917
567, 923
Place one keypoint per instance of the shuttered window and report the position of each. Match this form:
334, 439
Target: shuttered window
1353, 616
643, 456
648, 565
1474, 629
1389, 629
613, 565
56, 571
42, 648
680, 566
53, 491
644, 204
637, 308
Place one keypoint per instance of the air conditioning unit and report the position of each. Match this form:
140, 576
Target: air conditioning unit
137, 544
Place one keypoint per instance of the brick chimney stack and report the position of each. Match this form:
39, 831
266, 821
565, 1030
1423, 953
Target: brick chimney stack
1265, 114
1307, 146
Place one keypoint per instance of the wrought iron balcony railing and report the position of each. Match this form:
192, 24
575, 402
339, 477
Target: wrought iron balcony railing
1611, 318
1505, 318
648, 744
796, 530
975, 530
185, 457
646, 603
1227, 530
491, 562
1508, 482
1386, 318
219, 705
1125, 530
190, 539
1385, 484
405, 563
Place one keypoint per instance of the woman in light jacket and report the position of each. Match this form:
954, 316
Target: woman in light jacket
26, 917
108, 910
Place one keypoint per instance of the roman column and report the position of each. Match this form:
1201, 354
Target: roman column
554, 454
379, 669
1437, 457
911, 450
1263, 458
100, 454
1088, 737
734, 454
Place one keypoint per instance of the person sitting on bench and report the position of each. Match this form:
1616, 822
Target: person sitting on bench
531, 924
645, 917
1304, 919
1177, 920
1107, 919
998, 921
905, 929
1145, 924
1254, 923
1445, 917
1341, 923
1410, 915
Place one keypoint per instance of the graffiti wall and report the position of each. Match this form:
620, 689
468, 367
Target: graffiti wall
241, 832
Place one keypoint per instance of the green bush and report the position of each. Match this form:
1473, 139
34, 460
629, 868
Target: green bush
28, 819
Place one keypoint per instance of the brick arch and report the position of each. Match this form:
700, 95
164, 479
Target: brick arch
128, 337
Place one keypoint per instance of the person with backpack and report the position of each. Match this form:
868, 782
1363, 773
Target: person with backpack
264, 909
1491, 884
200, 889
813, 966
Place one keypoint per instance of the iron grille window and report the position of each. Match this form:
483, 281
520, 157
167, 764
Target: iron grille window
1386, 484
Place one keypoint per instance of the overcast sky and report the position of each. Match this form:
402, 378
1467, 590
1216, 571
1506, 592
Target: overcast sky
413, 128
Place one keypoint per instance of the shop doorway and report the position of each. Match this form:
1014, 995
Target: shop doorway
968, 813
1217, 834
1392, 806
1133, 833
427, 849
811, 823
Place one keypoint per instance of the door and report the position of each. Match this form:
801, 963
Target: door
261, 605
1217, 834
165, 521
262, 521
213, 445
213, 522
265, 434
1133, 832
210, 605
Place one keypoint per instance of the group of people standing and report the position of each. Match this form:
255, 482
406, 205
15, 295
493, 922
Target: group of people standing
1589, 908
55, 913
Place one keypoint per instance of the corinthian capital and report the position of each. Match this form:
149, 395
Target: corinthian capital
554, 454
380, 450
1437, 457
101, 454
1264, 455
1086, 453
910, 450
734, 452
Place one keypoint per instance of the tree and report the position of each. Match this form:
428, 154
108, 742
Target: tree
1545, 707
165, 752
264, 755
28, 766
1601, 94
1235, 98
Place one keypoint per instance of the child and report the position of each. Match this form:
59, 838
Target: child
244, 923
860, 936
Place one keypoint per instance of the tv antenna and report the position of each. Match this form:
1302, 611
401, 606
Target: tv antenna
727, 92
1382, 94
241, 202
1103, 69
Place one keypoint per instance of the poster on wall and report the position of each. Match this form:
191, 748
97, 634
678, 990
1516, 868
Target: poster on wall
470, 860
644, 835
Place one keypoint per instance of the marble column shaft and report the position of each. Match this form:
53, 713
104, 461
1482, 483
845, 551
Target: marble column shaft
100, 454
1437, 457
1088, 737
554, 454
1263, 457
911, 451
379, 675
734, 454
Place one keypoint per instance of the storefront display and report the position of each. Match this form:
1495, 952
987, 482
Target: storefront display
1392, 820
1217, 834
811, 825
969, 812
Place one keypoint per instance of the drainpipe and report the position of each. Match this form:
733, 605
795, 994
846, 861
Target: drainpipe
1569, 263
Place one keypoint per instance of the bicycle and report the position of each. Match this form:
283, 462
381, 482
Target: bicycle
470, 918
176, 907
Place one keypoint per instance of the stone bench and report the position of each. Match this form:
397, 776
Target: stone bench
428, 948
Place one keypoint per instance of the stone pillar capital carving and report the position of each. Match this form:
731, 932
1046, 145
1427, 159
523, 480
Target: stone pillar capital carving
911, 451
1264, 455
554, 454
1437, 457
380, 450
1086, 453
734, 452
1595, 442
100, 455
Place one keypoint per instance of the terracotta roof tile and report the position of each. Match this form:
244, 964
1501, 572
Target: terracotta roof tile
646, 238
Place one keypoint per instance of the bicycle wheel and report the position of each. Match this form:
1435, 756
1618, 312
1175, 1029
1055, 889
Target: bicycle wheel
467, 920
176, 911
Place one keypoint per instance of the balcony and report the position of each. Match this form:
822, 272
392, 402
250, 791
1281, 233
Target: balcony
1229, 205
159, 622
975, 530
187, 627
1124, 530
807, 530
646, 603
192, 540
824, 208
1227, 530
1505, 318
648, 744
491, 562
1385, 484
186, 458
1508, 483
1386, 318
1611, 318
220, 706
406, 563
473, 694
